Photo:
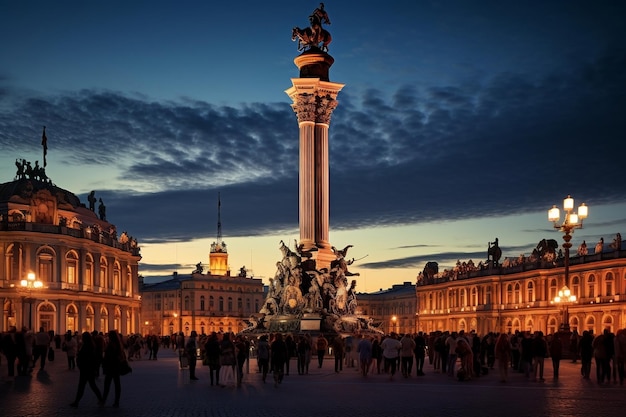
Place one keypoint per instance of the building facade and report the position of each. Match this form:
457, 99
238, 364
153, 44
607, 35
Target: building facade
392, 310
521, 297
211, 302
87, 275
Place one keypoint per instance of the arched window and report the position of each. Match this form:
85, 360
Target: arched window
88, 270
591, 286
509, 294
211, 303
576, 287
518, 293
187, 302
202, 303
239, 304
488, 295
553, 289
608, 284
474, 296
607, 323
590, 323
117, 277
221, 303
530, 292
463, 297
45, 264
104, 267
230, 303
71, 263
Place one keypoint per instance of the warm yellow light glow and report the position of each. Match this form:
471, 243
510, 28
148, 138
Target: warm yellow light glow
568, 203
31, 276
553, 214
24, 283
583, 211
572, 218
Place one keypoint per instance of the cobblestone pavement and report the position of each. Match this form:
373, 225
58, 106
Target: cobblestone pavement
160, 388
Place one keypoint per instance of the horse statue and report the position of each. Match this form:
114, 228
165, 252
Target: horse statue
309, 38
547, 247
430, 270
315, 34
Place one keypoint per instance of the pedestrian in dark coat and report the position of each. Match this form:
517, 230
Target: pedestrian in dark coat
114, 356
280, 355
87, 364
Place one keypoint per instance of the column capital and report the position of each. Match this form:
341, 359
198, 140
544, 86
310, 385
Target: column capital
313, 100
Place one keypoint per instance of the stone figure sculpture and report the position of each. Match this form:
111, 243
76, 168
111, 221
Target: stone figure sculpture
314, 36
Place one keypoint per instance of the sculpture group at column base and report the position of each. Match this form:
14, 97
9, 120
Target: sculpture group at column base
303, 296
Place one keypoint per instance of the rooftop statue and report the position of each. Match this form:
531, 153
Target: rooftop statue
314, 36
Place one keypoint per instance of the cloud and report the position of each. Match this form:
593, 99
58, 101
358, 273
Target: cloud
414, 155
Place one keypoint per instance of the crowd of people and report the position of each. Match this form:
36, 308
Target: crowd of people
460, 355
92, 353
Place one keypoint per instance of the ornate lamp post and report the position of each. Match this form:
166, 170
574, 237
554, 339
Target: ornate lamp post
571, 221
31, 282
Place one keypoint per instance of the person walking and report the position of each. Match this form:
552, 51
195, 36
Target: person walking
364, 349
391, 350
42, 343
228, 361
191, 349
70, 346
9, 348
540, 352
503, 354
279, 354
263, 356
87, 364
212, 353
321, 345
556, 352
585, 348
420, 353
406, 355
338, 352
114, 356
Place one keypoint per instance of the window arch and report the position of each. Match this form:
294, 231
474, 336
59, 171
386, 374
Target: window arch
71, 318
607, 322
117, 276
211, 302
71, 265
590, 323
576, 287
518, 293
509, 294
553, 289
591, 286
187, 303
608, 284
530, 292
45, 264
88, 279
230, 303
104, 267
221, 303
202, 303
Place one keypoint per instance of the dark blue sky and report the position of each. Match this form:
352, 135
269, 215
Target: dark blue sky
460, 121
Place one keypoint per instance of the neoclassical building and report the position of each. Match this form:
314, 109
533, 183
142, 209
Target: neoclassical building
393, 309
521, 297
205, 302
86, 274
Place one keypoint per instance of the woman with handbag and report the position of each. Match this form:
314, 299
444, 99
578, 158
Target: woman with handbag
112, 362
87, 364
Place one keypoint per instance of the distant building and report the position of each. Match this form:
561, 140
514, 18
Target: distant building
393, 310
520, 297
87, 270
211, 302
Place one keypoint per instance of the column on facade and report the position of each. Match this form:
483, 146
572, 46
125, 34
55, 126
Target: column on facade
124, 320
61, 316
97, 316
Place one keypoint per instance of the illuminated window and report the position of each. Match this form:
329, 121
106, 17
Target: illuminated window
103, 272
45, 260
202, 303
88, 270
608, 284
591, 286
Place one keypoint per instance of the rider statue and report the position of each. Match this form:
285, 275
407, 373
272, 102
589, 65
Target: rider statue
314, 35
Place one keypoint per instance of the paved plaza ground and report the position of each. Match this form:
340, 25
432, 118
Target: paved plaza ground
160, 388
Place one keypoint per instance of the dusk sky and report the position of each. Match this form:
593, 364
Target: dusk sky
459, 122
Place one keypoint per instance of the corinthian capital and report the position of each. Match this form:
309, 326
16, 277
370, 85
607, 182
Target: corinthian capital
325, 106
304, 105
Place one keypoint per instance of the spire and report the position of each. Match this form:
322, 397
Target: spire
44, 143
218, 245
219, 221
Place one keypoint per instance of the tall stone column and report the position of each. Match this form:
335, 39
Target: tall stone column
314, 100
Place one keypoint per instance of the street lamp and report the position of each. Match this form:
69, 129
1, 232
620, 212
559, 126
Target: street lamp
31, 282
571, 221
